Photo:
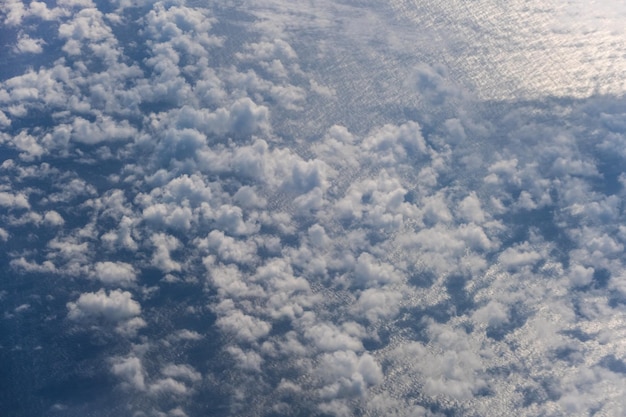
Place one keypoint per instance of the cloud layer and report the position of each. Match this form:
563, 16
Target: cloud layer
233, 210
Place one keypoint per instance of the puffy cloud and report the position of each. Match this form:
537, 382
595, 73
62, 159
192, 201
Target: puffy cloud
580, 276
23, 264
470, 209
327, 337
184, 372
433, 84
103, 129
4, 120
472, 248
164, 244
122, 236
113, 306
369, 271
516, 257
243, 327
130, 369
14, 200
53, 218
230, 250
450, 370
492, 314
14, 11
26, 44
377, 304
347, 374
250, 361
115, 273
130, 327
168, 386
185, 334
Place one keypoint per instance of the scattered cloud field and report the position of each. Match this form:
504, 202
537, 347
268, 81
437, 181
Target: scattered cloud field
330, 209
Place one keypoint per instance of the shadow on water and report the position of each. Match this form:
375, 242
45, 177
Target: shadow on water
613, 364
517, 319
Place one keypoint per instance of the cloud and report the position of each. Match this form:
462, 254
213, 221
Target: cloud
185, 334
231, 250
115, 273
316, 224
493, 314
14, 12
346, 375
53, 218
184, 372
370, 272
243, 327
375, 304
249, 361
168, 386
14, 201
26, 44
130, 370
327, 337
164, 244
519, 257
113, 306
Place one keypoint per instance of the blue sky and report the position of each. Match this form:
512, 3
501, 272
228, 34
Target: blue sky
334, 209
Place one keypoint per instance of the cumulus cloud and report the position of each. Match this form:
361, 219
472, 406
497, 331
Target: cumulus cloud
4, 235
164, 244
368, 238
26, 44
345, 374
11, 200
115, 273
53, 218
112, 306
130, 370
243, 327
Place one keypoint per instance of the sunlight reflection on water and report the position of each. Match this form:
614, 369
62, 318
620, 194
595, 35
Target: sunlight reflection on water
507, 50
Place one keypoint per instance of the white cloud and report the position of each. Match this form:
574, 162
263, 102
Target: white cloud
371, 272
249, 361
22, 307
375, 304
164, 244
113, 306
168, 386
115, 273
516, 257
53, 218
26, 44
185, 334
453, 372
14, 12
243, 327
372, 262
130, 327
346, 374
130, 370
4, 120
104, 129
492, 314
231, 250
184, 372
14, 201
470, 209
328, 337
122, 237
